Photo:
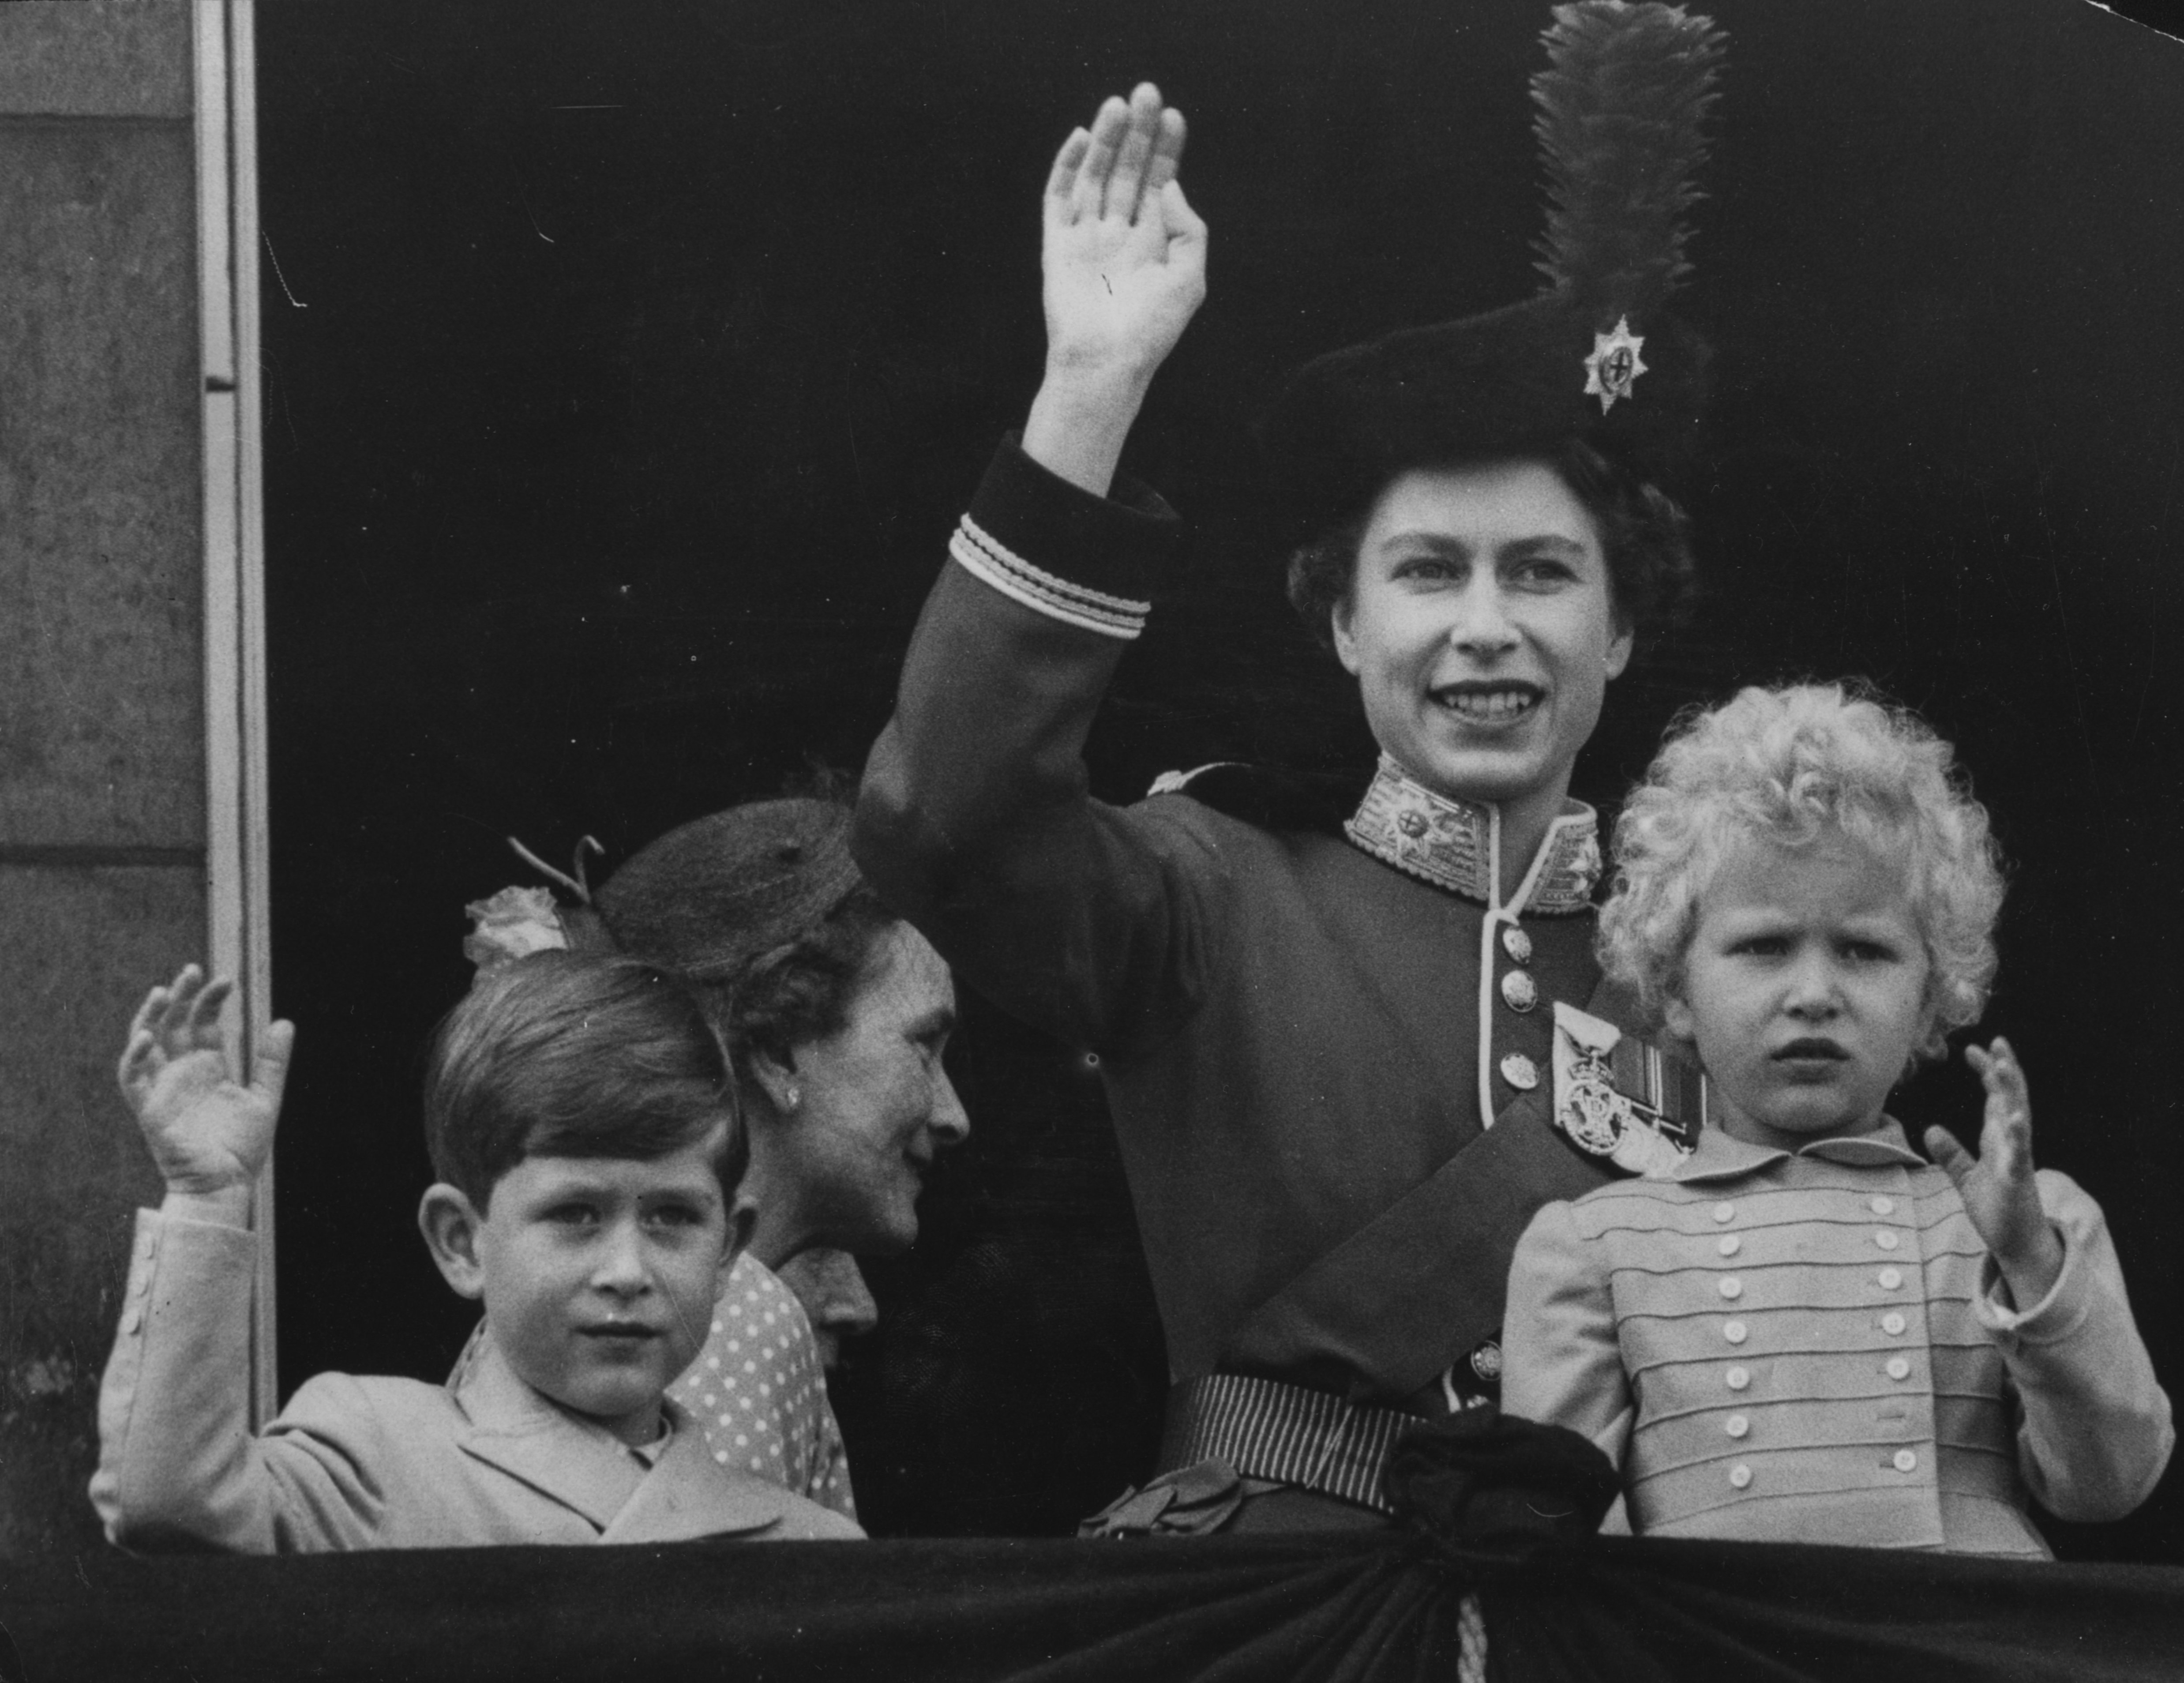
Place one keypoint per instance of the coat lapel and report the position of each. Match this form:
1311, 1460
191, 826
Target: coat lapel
689, 1495
515, 1429
518, 1432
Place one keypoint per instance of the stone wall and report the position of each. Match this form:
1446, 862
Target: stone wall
102, 751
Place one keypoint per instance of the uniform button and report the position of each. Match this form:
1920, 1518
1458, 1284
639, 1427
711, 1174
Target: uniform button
1519, 992
1886, 1239
1883, 1206
1729, 1244
1723, 1212
1891, 1278
1735, 1332
1732, 1288
1737, 1426
1738, 1378
1520, 1072
1517, 943
1893, 1325
1906, 1462
1898, 1369
1740, 1475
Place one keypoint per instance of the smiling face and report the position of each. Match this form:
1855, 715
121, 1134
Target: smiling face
873, 1106
1480, 626
1804, 990
598, 1274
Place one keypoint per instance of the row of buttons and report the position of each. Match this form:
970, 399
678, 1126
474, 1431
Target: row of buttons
1890, 1279
1728, 1243
1740, 1475
1520, 993
140, 1283
1881, 1205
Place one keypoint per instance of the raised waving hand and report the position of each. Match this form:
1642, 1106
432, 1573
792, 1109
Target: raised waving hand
2000, 1193
208, 1133
1123, 259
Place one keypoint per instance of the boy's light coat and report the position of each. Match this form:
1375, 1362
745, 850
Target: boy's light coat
371, 1462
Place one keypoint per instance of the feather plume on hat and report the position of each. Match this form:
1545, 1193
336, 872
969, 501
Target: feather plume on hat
1594, 355
1621, 106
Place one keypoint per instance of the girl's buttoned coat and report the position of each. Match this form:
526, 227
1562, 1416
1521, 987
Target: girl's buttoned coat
1816, 1347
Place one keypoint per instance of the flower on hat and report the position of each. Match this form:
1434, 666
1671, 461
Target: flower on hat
513, 924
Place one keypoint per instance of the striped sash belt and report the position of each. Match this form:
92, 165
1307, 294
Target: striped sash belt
1293, 1436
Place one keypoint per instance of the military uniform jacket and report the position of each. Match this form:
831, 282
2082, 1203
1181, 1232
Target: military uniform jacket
365, 1462
1299, 1040
1817, 1348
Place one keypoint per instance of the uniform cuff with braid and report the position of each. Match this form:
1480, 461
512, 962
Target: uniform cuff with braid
1089, 562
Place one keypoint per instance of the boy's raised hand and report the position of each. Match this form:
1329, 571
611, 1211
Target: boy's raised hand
208, 1134
1997, 1186
1123, 259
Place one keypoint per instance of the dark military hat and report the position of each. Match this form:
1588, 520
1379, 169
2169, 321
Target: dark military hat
1594, 357
710, 897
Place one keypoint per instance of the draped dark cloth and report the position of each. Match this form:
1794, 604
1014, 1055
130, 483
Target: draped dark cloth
1381, 1605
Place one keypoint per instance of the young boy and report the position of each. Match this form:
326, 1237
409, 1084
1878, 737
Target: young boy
1804, 1331
588, 1159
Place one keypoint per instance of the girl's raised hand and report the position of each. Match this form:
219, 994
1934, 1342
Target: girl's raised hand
207, 1133
2000, 1193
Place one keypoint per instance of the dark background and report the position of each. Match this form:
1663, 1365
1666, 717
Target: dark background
627, 365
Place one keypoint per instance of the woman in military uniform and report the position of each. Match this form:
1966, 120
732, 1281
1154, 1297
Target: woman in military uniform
1330, 1055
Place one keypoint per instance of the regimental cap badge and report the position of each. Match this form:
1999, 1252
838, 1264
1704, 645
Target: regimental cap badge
1614, 365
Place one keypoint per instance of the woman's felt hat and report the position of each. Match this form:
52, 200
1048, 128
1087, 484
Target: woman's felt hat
708, 898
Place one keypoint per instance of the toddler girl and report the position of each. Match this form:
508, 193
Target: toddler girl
1804, 1331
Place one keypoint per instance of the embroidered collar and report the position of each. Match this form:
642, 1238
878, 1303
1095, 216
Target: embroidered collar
1721, 1157
1451, 844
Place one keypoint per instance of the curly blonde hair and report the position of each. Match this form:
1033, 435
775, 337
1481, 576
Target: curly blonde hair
1790, 766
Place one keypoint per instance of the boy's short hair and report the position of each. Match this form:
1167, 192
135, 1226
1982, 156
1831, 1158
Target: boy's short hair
575, 1055
1787, 766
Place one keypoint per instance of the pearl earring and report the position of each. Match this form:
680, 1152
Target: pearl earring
794, 1096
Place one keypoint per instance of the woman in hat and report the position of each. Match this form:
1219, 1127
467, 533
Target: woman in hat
835, 1013
1331, 1058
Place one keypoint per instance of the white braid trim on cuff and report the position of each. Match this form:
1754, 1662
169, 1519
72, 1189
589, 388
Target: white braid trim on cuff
1077, 605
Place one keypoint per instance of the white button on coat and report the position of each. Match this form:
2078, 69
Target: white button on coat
1898, 1369
1732, 1288
1906, 1462
1883, 1206
1890, 1279
1734, 1332
1738, 1378
1893, 1325
1737, 1426
1729, 1244
1886, 1239
1723, 1212
1740, 1475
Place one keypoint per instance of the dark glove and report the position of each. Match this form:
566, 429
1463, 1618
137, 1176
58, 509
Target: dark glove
1482, 1477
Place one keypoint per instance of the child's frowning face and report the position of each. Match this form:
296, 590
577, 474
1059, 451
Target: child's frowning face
1805, 990
599, 1275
